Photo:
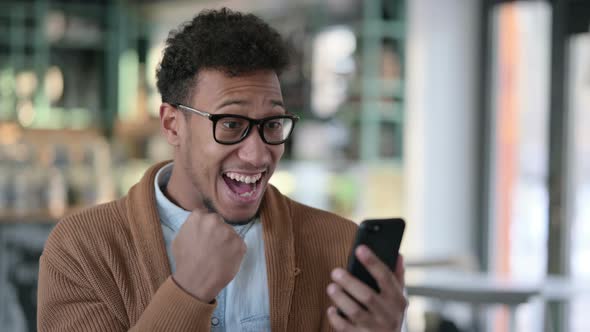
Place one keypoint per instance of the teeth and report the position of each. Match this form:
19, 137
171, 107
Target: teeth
248, 194
244, 178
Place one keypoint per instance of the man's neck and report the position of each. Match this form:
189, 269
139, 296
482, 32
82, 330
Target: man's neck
180, 190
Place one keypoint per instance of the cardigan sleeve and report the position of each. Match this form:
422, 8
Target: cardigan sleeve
68, 303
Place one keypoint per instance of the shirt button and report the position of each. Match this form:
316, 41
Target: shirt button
214, 321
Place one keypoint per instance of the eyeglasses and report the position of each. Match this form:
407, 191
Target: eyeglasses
232, 128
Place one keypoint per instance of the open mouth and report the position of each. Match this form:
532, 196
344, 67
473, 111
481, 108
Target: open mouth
243, 185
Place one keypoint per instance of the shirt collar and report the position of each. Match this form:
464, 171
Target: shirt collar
171, 214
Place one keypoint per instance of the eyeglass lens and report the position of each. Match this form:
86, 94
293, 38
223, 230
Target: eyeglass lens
233, 129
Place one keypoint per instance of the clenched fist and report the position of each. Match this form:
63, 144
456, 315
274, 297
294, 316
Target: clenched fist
208, 253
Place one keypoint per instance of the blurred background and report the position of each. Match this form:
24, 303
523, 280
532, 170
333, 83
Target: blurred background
469, 118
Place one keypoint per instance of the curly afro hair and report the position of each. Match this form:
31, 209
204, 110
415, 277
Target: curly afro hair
226, 40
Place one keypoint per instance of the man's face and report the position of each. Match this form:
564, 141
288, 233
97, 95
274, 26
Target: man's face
231, 179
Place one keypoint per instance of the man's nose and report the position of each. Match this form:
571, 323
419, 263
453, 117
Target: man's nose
253, 149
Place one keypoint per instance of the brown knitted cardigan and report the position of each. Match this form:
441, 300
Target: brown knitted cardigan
106, 268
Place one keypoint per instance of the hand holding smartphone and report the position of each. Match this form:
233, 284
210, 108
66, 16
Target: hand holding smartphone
383, 237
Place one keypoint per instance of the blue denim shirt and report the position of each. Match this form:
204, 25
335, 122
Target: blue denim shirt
243, 305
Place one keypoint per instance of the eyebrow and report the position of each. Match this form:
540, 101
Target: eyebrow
277, 103
231, 102
239, 102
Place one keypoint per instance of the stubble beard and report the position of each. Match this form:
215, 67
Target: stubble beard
208, 202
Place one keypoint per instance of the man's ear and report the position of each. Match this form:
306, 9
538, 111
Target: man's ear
171, 120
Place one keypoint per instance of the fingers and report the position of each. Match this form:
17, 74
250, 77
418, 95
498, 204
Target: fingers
337, 322
380, 272
349, 307
382, 311
372, 301
391, 284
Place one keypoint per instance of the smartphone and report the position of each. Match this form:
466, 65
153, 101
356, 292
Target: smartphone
383, 237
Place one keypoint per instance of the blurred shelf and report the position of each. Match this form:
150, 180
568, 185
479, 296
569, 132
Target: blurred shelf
86, 9
385, 112
376, 28
62, 133
384, 88
137, 128
82, 45
35, 217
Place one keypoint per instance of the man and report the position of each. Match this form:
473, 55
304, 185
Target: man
203, 243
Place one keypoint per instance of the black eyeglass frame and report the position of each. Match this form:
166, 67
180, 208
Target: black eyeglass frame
251, 122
